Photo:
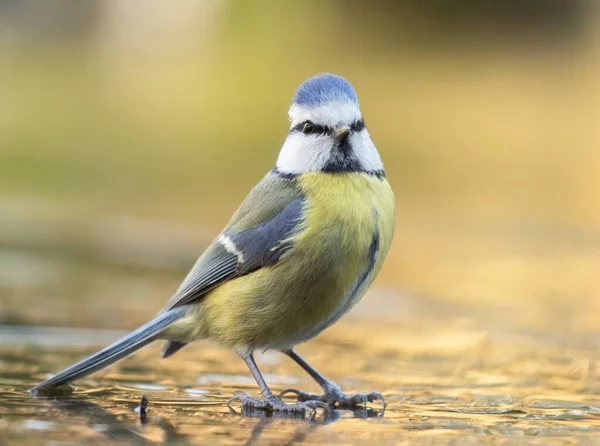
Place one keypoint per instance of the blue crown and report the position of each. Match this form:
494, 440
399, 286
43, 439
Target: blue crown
323, 89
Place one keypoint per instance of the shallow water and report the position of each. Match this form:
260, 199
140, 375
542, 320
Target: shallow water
500, 371
485, 388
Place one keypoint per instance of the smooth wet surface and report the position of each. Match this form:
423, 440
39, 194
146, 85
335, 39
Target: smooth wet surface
475, 387
495, 371
463, 360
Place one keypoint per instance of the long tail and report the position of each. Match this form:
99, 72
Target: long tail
114, 352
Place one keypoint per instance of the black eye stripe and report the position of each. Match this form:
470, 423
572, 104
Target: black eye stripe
356, 126
318, 129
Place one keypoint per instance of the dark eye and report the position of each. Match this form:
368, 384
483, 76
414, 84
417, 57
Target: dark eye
309, 128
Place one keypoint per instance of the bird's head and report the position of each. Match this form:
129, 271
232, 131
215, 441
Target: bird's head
327, 131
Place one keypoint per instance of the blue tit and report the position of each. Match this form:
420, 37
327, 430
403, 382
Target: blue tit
297, 255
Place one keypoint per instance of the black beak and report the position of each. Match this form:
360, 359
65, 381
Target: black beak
342, 140
341, 135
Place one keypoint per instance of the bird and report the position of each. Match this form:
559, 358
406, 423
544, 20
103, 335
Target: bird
298, 254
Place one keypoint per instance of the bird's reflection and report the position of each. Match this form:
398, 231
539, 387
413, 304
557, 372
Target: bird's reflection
299, 435
320, 418
121, 429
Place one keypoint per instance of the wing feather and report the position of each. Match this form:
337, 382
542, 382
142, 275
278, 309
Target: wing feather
214, 267
258, 234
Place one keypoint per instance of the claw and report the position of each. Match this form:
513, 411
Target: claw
359, 399
303, 396
321, 405
273, 404
236, 396
286, 391
376, 396
245, 400
338, 398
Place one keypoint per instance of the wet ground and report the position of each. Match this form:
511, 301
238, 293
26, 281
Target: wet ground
444, 381
494, 371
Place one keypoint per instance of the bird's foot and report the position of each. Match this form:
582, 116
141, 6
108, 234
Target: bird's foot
334, 397
272, 404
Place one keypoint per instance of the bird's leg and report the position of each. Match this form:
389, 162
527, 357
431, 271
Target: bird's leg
333, 394
271, 403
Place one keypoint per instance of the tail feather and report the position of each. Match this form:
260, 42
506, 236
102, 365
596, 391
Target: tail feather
114, 352
172, 347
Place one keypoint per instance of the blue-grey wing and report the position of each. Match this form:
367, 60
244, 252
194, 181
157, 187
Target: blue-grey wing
240, 249
264, 244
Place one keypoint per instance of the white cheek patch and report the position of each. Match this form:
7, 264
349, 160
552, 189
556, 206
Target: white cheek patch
365, 151
311, 153
304, 153
329, 115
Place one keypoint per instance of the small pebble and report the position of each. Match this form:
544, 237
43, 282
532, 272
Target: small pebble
142, 409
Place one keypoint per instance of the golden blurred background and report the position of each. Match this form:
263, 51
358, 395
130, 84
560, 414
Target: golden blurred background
130, 131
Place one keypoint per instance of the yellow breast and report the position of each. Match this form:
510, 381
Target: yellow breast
325, 272
347, 214
357, 204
